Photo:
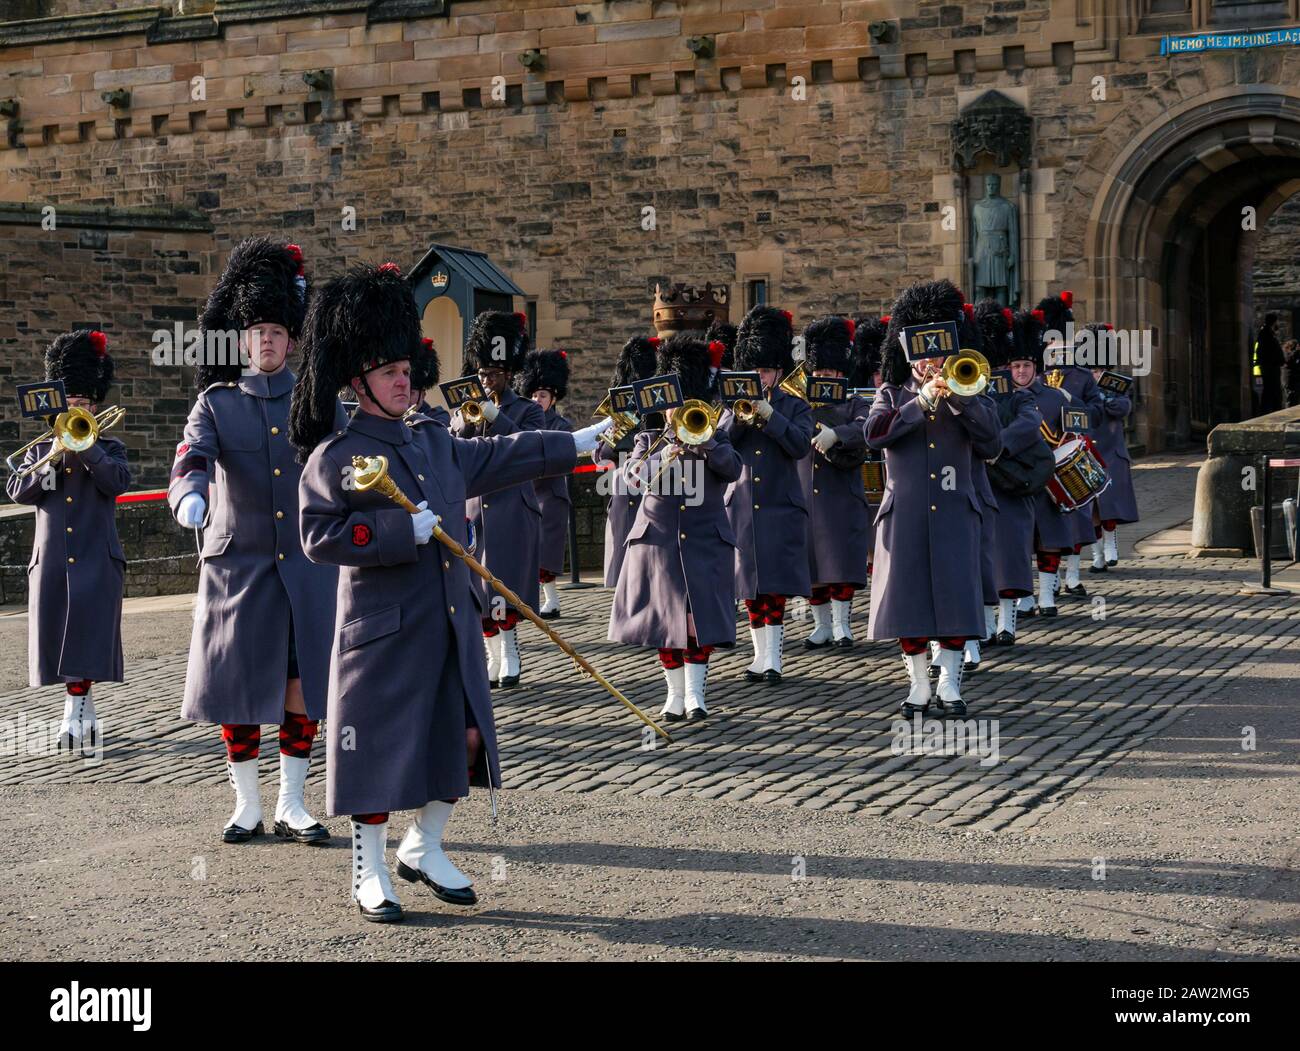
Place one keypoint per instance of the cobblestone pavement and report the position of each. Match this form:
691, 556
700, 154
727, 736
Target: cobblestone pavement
1060, 707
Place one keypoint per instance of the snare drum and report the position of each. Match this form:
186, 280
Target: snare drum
1079, 476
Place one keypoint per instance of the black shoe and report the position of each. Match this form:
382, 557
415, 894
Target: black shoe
910, 710
550, 616
493, 684
933, 671
69, 744
235, 834
753, 676
508, 682
313, 834
464, 896
844, 644
1078, 591
956, 709
1004, 638
387, 912
696, 715
672, 717
967, 667
1094, 568
1047, 611
1112, 562
1032, 611
772, 676
808, 644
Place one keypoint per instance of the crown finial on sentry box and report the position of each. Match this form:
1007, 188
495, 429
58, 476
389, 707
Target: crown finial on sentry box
680, 307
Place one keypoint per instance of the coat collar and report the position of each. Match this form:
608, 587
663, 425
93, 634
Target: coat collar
260, 385
394, 432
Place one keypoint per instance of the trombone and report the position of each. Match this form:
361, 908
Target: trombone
966, 373
692, 424
74, 430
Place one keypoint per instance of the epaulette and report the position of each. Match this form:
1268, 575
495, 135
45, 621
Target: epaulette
219, 383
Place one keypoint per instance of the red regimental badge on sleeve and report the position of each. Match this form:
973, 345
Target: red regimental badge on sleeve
360, 535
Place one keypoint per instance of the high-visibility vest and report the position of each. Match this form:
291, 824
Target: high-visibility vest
1254, 357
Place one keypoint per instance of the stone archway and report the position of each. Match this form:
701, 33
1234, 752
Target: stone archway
1167, 251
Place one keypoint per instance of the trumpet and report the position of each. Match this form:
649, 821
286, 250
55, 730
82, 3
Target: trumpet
692, 424
795, 385
75, 430
966, 373
472, 412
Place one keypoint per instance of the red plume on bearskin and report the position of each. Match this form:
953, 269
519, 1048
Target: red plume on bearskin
390, 268
100, 342
884, 319
1067, 297
1009, 316
296, 252
1038, 315
969, 310
654, 341
852, 326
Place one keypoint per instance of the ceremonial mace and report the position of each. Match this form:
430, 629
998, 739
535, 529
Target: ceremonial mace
371, 472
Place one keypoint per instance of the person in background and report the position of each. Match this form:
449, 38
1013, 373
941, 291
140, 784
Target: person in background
1268, 366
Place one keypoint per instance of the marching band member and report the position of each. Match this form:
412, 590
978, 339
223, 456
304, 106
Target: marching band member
636, 361
1081, 392
1020, 429
980, 322
77, 563
1117, 502
929, 521
868, 335
507, 524
766, 505
675, 588
410, 716
1054, 532
424, 378
838, 521
545, 379
259, 652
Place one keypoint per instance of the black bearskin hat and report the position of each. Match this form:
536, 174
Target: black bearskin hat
482, 349
82, 361
686, 354
1028, 339
544, 370
636, 361
765, 340
263, 282
725, 334
829, 344
996, 323
920, 304
357, 322
424, 366
1057, 310
868, 336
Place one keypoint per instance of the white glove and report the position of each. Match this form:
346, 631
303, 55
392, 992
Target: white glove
584, 441
490, 410
929, 395
764, 408
191, 511
825, 438
424, 522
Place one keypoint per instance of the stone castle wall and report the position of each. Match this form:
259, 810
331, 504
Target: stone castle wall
837, 199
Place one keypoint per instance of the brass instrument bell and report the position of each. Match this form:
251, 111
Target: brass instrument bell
966, 373
74, 430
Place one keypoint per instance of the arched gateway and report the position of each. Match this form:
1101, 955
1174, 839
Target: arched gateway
1170, 243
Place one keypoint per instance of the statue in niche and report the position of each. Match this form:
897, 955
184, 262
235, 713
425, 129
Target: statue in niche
996, 224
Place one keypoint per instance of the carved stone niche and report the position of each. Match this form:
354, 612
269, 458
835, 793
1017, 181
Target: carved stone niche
993, 136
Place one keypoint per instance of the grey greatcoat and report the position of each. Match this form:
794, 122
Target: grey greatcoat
925, 583
254, 577
989, 525
620, 512
766, 504
680, 551
508, 522
436, 413
1118, 500
839, 521
1014, 543
407, 662
74, 578
553, 498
